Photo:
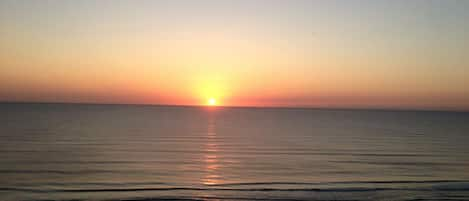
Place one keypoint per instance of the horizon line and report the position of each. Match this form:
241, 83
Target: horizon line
245, 106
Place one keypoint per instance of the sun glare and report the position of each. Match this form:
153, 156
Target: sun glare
212, 102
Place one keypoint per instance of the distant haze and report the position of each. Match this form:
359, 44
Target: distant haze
391, 54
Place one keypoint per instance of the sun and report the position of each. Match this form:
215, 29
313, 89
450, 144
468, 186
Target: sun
212, 101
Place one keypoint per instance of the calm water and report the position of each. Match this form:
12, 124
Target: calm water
99, 152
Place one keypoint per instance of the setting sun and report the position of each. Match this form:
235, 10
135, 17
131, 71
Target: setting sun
212, 101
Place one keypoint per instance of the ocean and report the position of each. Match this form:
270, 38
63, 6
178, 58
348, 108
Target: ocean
143, 153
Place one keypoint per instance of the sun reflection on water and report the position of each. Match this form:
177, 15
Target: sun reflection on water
211, 157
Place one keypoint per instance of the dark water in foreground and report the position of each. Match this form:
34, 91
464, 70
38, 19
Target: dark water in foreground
99, 152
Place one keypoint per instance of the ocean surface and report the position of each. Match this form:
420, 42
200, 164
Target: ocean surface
124, 152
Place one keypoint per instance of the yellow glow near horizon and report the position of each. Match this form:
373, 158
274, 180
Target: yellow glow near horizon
212, 101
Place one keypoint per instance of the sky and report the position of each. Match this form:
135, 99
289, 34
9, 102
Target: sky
289, 53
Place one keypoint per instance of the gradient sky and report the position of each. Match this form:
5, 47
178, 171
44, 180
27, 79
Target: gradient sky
392, 54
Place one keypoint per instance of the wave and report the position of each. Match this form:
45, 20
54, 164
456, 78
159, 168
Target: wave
266, 198
448, 187
190, 189
242, 184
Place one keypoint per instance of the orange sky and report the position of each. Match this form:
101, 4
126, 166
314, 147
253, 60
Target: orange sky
391, 54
